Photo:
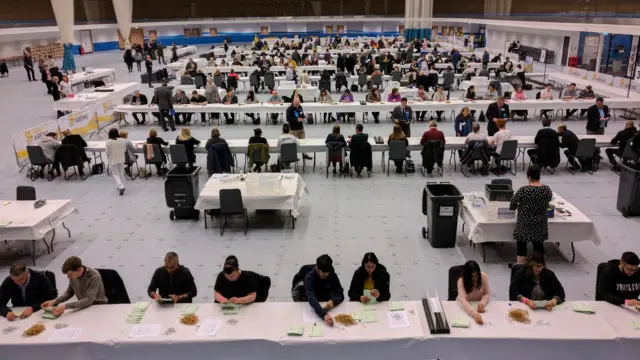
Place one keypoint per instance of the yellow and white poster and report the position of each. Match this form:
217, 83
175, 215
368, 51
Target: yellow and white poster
83, 123
31, 137
105, 112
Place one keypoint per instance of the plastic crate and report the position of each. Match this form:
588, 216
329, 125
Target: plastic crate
498, 192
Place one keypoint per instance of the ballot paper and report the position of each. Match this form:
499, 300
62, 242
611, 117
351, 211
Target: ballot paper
316, 331
540, 304
370, 317
582, 308
372, 300
367, 307
398, 319
295, 331
189, 309
65, 334
460, 322
140, 331
4, 223
49, 316
308, 315
230, 309
395, 306
635, 324
137, 312
208, 327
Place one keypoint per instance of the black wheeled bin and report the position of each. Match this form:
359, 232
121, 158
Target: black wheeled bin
441, 204
629, 190
181, 189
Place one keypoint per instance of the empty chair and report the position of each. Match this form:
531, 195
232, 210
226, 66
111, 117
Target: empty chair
585, 154
114, 287
507, 154
25, 193
38, 162
254, 83
186, 80
397, 152
199, 82
454, 274
178, 154
269, 80
448, 79
326, 85
217, 79
289, 154
231, 205
396, 76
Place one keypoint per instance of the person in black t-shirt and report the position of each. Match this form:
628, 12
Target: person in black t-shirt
234, 286
257, 137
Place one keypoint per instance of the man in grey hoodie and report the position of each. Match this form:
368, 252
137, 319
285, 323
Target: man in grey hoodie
50, 144
85, 283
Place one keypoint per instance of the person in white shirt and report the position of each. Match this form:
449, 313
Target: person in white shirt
501, 136
475, 134
546, 94
286, 137
439, 95
65, 88
304, 78
115, 149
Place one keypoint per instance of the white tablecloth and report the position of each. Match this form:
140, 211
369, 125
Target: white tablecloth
485, 227
482, 85
260, 331
186, 50
266, 191
91, 97
81, 77
181, 65
28, 223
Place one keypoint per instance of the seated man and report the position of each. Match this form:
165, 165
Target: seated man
84, 282
322, 285
234, 286
569, 140
620, 139
172, 281
197, 99
354, 141
24, 287
78, 141
139, 99
545, 133
432, 134
181, 99
620, 283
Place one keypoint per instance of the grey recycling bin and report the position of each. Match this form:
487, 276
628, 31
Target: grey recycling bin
181, 190
441, 204
629, 190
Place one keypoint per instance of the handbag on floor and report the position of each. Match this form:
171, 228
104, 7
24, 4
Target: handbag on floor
97, 169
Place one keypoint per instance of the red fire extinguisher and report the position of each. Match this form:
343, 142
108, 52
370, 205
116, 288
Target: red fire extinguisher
81, 50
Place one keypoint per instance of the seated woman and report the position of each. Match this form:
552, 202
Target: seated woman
215, 139
155, 139
397, 134
333, 140
473, 285
189, 143
394, 96
346, 97
325, 98
534, 282
234, 286
374, 97
520, 96
373, 277
251, 99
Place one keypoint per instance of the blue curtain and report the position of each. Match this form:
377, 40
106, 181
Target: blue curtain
410, 34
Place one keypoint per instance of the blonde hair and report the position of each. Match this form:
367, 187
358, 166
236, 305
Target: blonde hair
185, 134
124, 134
153, 132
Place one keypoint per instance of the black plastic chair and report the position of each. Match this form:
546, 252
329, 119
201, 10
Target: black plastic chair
186, 80
585, 152
432, 155
128, 161
477, 154
269, 80
199, 82
52, 280
38, 162
264, 284
298, 292
232, 82
178, 154
70, 157
454, 274
231, 205
397, 152
254, 83
514, 270
289, 154
601, 269
508, 154
376, 80
335, 149
217, 79
396, 76
26, 193
362, 81
114, 287
156, 159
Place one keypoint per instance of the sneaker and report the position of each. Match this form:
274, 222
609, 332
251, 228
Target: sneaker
307, 157
121, 191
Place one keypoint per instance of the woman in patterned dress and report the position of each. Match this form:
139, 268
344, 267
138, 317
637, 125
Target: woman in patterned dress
531, 201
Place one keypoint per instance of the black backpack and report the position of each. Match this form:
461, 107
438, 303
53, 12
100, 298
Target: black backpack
97, 168
354, 88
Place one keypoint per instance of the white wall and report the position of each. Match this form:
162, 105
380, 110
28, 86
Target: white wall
390, 26
499, 38
101, 35
296, 27
239, 28
371, 27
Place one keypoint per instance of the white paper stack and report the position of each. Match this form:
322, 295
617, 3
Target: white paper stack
137, 313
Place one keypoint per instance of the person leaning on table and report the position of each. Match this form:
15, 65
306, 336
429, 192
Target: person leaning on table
139, 99
295, 119
534, 282
24, 287
233, 285
172, 281
620, 283
372, 276
531, 202
322, 285
403, 115
495, 111
84, 282
473, 285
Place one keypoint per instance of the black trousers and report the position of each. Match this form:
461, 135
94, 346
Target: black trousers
532, 152
149, 73
521, 247
30, 74
161, 59
186, 117
135, 117
406, 128
611, 153
165, 113
229, 118
139, 63
130, 67
568, 113
420, 115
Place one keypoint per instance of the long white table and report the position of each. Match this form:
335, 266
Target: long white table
456, 105
181, 65
480, 216
80, 77
186, 50
598, 87
92, 97
260, 191
28, 223
259, 331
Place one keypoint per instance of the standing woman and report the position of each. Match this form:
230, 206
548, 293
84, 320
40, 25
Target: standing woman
68, 61
531, 201
128, 59
473, 285
115, 149
371, 276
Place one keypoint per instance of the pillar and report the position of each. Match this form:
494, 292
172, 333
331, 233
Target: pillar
64, 13
124, 14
